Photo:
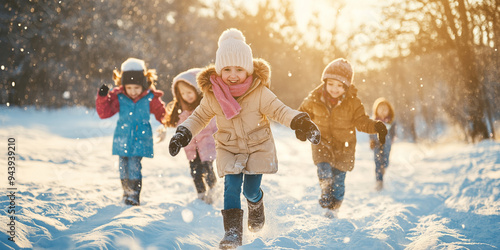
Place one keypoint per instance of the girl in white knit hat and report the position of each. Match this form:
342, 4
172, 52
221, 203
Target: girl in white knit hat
236, 91
201, 150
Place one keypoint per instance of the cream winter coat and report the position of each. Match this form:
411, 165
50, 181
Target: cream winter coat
244, 144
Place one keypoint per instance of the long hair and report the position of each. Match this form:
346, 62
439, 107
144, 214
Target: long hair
177, 105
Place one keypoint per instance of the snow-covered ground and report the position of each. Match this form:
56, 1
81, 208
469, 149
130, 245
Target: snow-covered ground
68, 194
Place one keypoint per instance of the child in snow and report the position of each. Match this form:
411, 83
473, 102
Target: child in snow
384, 112
201, 150
236, 91
134, 99
338, 112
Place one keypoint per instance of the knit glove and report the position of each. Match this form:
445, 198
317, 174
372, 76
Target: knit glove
103, 90
305, 128
381, 131
181, 139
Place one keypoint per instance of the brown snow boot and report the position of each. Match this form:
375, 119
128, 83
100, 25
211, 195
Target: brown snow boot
326, 196
133, 198
126, 189
256, 216
335, 204
233, 226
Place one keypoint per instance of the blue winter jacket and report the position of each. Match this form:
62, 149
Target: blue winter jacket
133, 134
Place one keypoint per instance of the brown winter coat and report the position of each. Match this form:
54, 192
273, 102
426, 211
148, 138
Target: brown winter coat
244, 144
338, 134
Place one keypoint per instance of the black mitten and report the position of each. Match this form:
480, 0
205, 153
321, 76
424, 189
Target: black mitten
381, 131
303, 125
103, 90
181, 139
301, 135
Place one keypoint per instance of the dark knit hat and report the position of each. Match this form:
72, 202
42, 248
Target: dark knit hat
133, 72
339, 69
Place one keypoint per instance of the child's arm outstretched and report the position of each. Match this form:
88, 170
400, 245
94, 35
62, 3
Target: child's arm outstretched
365, 124
300, 122
106, 104
198, 120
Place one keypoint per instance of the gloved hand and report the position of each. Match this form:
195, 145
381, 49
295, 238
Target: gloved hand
381, 131
103, 90
372, 144
181, 139
305, 128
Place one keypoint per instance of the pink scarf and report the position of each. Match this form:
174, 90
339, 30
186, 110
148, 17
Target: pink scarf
225, 94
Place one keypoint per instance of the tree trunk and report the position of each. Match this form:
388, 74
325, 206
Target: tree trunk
475, 98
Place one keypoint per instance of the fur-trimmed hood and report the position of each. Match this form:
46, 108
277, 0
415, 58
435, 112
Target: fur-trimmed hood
377, 103
261, 75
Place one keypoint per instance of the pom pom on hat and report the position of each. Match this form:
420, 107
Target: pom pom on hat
233, 51
339, 69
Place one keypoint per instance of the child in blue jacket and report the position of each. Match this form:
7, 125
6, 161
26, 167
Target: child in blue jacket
134, 99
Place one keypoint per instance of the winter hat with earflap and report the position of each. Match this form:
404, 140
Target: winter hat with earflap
188, 76
339, 69
233, 51
133, 72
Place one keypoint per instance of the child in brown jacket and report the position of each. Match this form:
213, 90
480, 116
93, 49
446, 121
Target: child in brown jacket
338, 112
236, 92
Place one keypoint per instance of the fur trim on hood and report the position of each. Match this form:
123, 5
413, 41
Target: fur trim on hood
262, 71
379, 101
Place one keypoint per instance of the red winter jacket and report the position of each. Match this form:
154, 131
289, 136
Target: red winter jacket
107, 106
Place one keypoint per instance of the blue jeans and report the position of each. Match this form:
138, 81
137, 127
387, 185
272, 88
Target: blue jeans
381, 155
332, 181
232, 189
130, 167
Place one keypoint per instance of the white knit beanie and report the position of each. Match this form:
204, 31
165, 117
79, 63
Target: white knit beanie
233, 51
188, 76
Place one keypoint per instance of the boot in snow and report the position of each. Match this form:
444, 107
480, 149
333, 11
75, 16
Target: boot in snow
126, 189
333, 209
233, 226
256, 216
133, 198
326, 198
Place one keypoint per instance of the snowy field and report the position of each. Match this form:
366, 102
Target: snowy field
68, 194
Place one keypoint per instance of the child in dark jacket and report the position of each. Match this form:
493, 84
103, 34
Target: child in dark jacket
134, 98
201, 150
338, 112
384, 112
